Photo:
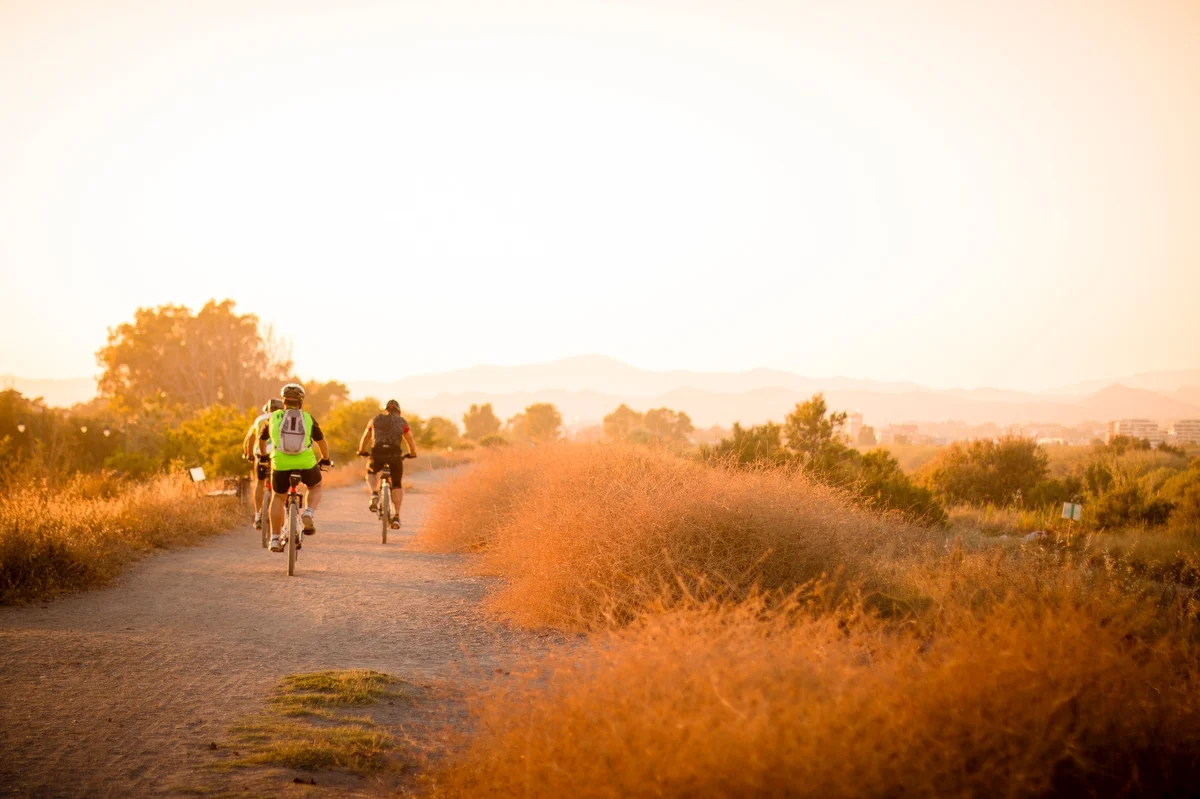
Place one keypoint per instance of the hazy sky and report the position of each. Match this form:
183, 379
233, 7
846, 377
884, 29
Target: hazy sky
956, 193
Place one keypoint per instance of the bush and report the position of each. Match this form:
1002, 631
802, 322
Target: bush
588, 535
1035, 693
80, 534
987, 472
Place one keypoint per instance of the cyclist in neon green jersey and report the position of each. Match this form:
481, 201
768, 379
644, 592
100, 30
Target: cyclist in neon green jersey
292, 433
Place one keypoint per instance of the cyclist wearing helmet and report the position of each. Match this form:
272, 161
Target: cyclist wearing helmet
291, 434
260, 471
384, 433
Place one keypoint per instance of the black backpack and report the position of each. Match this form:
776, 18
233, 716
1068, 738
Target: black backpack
389, 432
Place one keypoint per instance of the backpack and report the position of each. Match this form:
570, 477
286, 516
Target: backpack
389, 431
293, 434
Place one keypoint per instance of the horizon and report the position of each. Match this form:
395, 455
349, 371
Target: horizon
1100, 382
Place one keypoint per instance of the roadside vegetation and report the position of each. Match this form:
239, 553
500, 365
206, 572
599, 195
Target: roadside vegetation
754, 632
78, 532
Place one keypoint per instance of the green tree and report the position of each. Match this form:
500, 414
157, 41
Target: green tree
479, 422
866, 437
880, 482
987, 472
759, 444
212, 439
344, 425
440, 432
321, 398
540, 422
168, 354
621, 423
665, 424
813, 434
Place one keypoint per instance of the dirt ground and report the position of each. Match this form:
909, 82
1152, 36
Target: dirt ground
121, 691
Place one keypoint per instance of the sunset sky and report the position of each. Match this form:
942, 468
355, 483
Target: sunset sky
954, 193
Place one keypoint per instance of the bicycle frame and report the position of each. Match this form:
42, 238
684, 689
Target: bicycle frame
385, 500
292, 522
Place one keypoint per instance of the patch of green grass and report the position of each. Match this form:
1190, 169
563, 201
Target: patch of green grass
357, 747
302, 694
307, 725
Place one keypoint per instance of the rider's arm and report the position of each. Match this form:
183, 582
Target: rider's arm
318, 438
263, 438
412, 444
367, 433
249, 441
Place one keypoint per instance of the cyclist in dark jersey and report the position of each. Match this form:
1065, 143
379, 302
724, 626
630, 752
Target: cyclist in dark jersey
381, 440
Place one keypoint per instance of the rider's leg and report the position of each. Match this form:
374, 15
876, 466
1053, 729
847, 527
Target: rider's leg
314, 496
278, 501
373, 482
397, 499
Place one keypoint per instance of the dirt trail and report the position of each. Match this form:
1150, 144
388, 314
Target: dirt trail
118, 692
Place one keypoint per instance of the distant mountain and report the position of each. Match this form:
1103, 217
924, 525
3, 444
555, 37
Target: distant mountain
588, 387
1120, 401
878, 408
604, 374
1163, 381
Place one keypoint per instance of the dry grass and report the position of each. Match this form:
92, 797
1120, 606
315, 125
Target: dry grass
1004, 668
1016, 686
80, 534
586, 536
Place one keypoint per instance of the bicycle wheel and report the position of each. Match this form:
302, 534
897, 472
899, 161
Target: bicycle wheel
293, 534
385, 508
266, 521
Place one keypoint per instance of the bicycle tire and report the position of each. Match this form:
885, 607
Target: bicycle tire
266, 520
385, 508
293, 534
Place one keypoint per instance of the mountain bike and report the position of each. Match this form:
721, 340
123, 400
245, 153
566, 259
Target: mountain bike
291, 533
384, 509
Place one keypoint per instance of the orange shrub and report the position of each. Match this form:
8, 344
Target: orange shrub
589, 535
1033, 692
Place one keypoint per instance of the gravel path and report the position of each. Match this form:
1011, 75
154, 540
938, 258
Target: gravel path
118, 692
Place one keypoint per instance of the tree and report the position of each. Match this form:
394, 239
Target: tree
665, 424
814, 435
479, 422
621, 423
754, 445
882, 484
212, 439
988, 472
169, 354
866, 437
440, 432
344, 425
321, 398
539, 422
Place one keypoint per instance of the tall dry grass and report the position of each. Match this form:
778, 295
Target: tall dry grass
79, 534
1017, 686
587, 535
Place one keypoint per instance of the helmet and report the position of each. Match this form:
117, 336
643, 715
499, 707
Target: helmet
292, 391
272, 405
392, 404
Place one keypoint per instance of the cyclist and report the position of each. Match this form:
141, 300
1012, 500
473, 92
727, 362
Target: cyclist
260, 471
384, 433
292, 432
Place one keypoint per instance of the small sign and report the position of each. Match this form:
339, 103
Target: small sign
1073, 511
197, 474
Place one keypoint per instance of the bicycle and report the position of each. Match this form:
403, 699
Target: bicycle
291, 532
384, 509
